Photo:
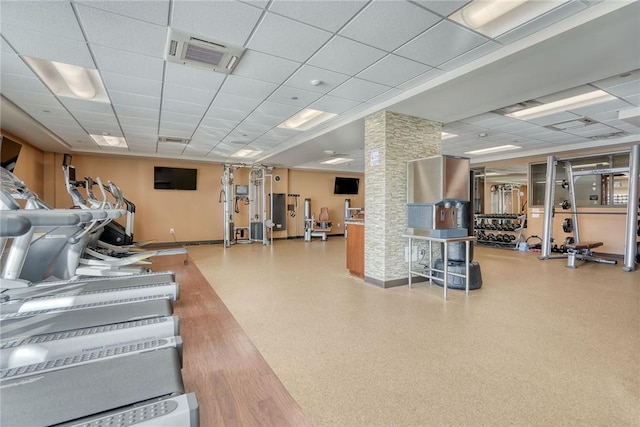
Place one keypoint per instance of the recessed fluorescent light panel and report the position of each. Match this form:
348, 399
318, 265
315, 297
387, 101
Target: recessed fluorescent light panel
246, 153
446, 135
493, 149
495, 17
110, 141
337, 161
306, 119
69, 80
589, 98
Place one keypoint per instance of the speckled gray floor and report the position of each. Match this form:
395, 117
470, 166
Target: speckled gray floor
538, 345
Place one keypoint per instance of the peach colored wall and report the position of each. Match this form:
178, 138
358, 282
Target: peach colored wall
318, 186
609, 229
194, 215
198, 215
30, 165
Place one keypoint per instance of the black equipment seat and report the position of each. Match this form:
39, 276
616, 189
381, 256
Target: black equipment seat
582, 251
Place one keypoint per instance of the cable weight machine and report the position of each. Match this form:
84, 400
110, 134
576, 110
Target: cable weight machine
254, 196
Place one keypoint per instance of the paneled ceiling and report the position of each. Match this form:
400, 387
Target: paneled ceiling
404, 56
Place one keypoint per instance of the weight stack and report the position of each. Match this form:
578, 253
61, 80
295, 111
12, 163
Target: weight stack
455, 282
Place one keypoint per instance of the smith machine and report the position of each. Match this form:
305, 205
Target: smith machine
253, 195
578, 248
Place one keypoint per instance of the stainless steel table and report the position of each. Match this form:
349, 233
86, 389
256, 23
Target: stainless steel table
429, 270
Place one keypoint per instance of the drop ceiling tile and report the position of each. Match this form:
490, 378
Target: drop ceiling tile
86, 105
328, 79
212, 122
624, 90
180, 118
195, 77
176, 130
5, 48
385, 96
174, 149
334, 104
225, 114
209, 134
471, 55
260, 66
48, 17
359, 90
377, 25
13, 64
633, 100
444, 8
132, 100
93, 116
592, 130
142, 148
287, 38
135, 112
183, 107
248, 88
292, 96
393, 70
441, 43
604, 116
422, 78
545, 20
618, 80
20, 97
232, 102
130, 64
148, 131
346, 56
188, 94
137, 121
196, 151
47, 120
152, 11
275, 109
47, 46
24, 84
222, 21
613, 105
328, 15
139, 86
131, 35
41, 113
253, 128
261, 119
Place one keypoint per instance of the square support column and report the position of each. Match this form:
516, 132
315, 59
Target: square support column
391, 140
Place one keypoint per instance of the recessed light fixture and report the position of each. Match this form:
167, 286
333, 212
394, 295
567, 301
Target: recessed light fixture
246, 153
447, 135
337, 161
495, 17
306, 119
589, 98
493, 149
69, 80
110, 141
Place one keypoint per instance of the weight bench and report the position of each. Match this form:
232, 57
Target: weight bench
582, 251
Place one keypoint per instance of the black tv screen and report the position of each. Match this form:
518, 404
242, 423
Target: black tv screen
174, 178
346, 185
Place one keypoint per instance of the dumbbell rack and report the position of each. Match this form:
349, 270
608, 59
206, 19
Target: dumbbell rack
499, 230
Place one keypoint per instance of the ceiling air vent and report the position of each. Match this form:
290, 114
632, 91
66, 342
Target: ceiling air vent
173, 140
190, 50
611, 135
572, 124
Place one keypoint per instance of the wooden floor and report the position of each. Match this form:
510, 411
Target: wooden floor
233, 383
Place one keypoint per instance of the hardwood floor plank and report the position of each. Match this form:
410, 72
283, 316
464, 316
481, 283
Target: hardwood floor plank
233, 383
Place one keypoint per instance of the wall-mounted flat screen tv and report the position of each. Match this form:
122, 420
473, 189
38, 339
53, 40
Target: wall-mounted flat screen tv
174, 178
344, 185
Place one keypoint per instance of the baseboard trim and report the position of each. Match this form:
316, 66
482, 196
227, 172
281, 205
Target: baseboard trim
393, 283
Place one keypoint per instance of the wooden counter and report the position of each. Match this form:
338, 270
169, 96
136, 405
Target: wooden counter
355, 248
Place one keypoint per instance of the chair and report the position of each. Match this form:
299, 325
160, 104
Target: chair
322, 226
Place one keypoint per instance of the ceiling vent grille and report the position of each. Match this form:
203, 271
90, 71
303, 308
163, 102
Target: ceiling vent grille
572, 124
173, 140
189, 50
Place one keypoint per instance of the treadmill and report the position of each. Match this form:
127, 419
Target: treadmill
144, 390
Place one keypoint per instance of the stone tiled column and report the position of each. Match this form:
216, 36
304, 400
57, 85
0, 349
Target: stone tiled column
390, 140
